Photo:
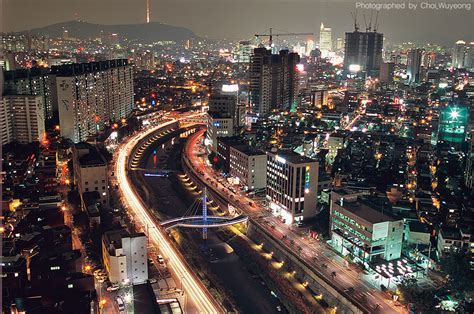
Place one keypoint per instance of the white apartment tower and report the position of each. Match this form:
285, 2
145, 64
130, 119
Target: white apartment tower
90, 95
22, 119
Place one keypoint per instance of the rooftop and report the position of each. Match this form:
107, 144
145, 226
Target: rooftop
92, 158
357, 204
292, 157
248, 150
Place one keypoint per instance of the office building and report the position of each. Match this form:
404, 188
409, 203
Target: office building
292, 186
35, 81
274, 80
249, 166
90, 173
362, 230
325, 41
452, 126
125, 257
415, 57
387, 70
363, 52
218, 125
226, 102
319, 98
244, 51
91, 95
22, 119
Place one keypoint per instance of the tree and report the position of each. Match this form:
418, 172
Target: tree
457, 266
423, 299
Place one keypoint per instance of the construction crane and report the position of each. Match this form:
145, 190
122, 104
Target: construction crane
271, 35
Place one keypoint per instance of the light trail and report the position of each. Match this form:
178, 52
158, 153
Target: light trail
196, 292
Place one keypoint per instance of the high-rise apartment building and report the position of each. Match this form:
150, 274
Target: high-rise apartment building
35, 81
414, 66
273, 80
363, 51
325, 40
292, 186
90, 95
22, 119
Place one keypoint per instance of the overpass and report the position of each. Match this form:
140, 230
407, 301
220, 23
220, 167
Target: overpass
199, 223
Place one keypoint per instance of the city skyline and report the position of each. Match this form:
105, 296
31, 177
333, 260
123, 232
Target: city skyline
147, 168
404, 25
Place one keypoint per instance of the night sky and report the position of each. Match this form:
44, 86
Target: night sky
240, 19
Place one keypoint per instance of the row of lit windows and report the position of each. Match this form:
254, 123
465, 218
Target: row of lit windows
350, 229
350, 220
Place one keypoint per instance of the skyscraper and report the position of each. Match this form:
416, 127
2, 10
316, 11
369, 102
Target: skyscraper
463, 55
414, 66
289, 79
273, 80
325, 40
363, 50
260, 81
459, 54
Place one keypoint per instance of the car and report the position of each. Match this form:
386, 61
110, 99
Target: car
113, 288
150, 262
160, 259
121, 305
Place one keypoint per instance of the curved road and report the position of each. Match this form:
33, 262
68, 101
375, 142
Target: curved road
195, 290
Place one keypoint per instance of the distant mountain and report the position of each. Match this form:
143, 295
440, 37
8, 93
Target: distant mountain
148, 32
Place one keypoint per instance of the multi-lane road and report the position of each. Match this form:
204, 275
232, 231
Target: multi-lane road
196, 292
323, 260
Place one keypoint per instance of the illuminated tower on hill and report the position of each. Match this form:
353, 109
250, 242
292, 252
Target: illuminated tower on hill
148, 11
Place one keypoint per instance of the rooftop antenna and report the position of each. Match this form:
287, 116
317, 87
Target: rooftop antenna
370, 23
354, 17
376, 22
